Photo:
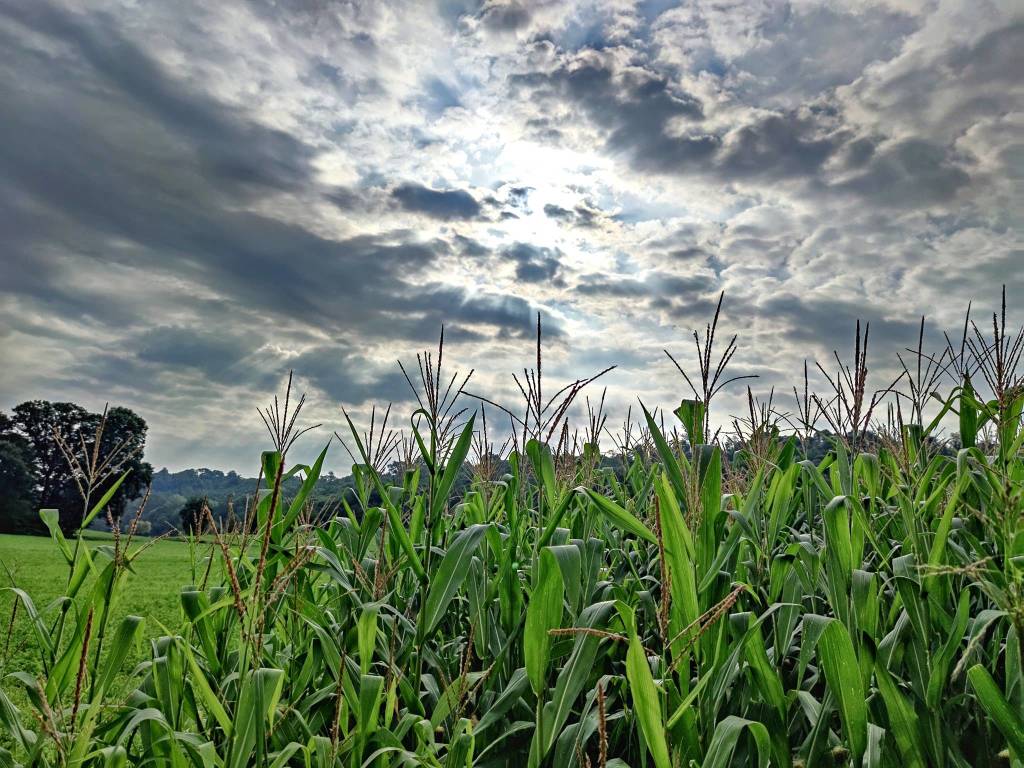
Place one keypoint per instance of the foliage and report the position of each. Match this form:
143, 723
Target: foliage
192, 514
866, 609
16, 481
61, 443
125, 431
227, 494
39, 568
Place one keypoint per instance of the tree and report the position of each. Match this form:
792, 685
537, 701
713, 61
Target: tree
125, 431
45, 426
192, 515
37, 421
17, 483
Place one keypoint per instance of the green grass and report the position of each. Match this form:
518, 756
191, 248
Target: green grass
152, 591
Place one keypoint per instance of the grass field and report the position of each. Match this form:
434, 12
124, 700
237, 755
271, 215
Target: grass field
37, 567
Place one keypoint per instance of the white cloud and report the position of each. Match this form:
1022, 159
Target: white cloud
324, 184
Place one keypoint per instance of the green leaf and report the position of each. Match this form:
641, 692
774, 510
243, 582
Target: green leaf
940, 662
726, 736
308, 484
450, 574
842, 673
102, 503
206, 695
544, 468
254, 714
113, 662
646, 702
51, 519
396, 527
684, 607
902, 720
543, 612
691, 414
670, 464
1009, 723
571, 679
508, 698
366, 630
618, 516
451, 469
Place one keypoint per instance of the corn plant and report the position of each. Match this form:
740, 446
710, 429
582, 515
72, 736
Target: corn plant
676, 604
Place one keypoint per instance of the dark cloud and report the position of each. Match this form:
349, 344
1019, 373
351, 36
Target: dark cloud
542, 129
109, 162
233, 153
557, 212
822, 324
444, 204
663, 131
581, 215
507, 314
350, 378
215, 354
635, 107
535, 264
908, 174
346, 198
777, 146
993, 59
467, 246
684, 300
653, 284
519, 196
440, 96
658, 127
504, 15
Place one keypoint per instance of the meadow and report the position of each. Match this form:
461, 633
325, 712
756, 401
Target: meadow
662, 595
32, 562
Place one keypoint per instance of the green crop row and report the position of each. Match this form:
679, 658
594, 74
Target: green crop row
679, 606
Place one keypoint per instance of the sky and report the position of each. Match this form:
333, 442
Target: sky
197, 197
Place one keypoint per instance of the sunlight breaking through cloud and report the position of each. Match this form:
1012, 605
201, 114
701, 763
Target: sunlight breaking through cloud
196, 198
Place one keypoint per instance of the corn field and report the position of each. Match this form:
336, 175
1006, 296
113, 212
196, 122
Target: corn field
684, 599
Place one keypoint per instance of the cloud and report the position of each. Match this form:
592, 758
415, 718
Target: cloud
215, 354
349, 378
829, 324
535, 264
780, 55
653, 284
231, 152
444, 204
500, 16
197, 198
581, 215
663, 130
910, 173
635, 108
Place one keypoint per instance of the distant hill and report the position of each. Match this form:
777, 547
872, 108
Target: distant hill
172, 489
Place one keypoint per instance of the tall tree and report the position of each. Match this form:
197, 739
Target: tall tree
17, 483
124, 431
38, 421
61, 474
192, 515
